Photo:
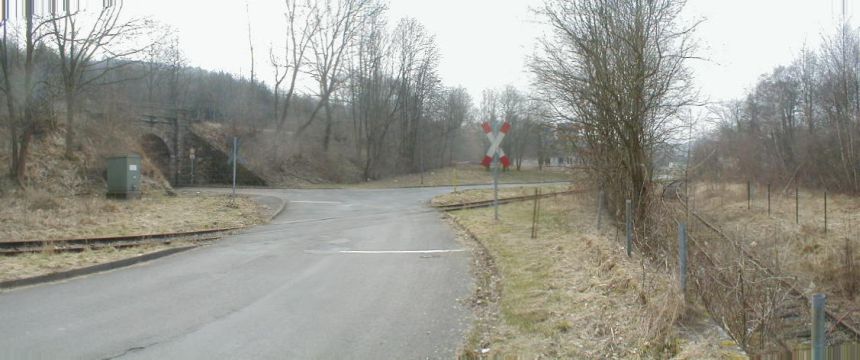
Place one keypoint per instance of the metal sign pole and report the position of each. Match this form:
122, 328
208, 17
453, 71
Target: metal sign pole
235, 160
192, 171
193, 156
496, 173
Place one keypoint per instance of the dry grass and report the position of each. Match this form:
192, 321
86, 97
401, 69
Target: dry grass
821, 262
49, 170
36, 215
35, 264
472, 195
472, 174
572, 293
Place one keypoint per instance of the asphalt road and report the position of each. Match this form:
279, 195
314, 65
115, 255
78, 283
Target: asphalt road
341, 274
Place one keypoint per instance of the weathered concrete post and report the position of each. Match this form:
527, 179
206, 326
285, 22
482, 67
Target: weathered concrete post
599, 209
682, 256
629, 218
818, 322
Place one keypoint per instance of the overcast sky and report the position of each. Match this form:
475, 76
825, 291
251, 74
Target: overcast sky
485, 43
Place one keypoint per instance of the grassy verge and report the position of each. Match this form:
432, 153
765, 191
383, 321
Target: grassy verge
39, 216
35, 264
571, 292
471, 174
472, 195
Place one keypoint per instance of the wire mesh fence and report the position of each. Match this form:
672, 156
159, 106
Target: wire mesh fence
739, 274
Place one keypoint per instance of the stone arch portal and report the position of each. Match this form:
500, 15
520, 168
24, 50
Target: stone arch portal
159, 152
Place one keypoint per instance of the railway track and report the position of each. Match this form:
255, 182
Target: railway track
507, 200
796, 313
80, 244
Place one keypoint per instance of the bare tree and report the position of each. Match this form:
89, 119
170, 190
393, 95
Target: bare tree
617, 69
174, 62
373, 90
20, 82
164, 62
153, 69
250, 42
89, 46
417, 56
302, 25
457, 111
339, 21
519, 112
840, 96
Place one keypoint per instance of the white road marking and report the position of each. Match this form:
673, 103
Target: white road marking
304, 221
400, 251
315, 202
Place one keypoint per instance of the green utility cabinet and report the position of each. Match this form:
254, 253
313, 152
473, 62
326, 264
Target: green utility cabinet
123, 176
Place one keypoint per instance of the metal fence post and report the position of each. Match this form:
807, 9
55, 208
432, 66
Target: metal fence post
599, 208
825, 211
535, 214
454, 179
682, 256
797, 205
768, 199
749, 195
818, 334
629, 219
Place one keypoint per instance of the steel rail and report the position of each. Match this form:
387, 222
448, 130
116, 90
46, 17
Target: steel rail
488, 203
78, 244
758, 264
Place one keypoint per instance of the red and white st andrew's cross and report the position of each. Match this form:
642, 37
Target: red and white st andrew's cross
495, 142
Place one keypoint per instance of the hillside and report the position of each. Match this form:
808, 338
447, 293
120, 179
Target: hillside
275, 160
49, 171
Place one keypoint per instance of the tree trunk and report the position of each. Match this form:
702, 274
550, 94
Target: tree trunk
21, 166
70, 118
13, 135
328, 121
368, 162
323, 102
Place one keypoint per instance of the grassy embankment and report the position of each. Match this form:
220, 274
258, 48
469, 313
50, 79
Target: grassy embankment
819, 261
39, 216
572, 292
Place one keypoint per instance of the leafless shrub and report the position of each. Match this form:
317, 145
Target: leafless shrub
751, 303
605, 50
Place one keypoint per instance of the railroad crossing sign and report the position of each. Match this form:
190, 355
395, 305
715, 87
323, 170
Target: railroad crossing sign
495, 154
495, 144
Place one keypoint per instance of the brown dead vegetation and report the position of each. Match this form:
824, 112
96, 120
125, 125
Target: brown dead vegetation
38, 215
573, 293
814, 260
36, 264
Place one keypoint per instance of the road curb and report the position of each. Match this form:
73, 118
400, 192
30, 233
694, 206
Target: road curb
63, 275
280, 210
